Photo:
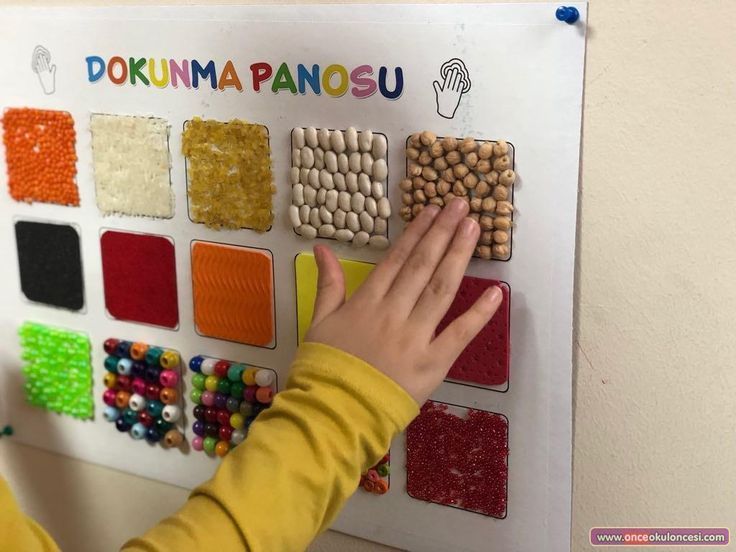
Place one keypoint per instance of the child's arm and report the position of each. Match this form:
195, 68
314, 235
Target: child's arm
357, 382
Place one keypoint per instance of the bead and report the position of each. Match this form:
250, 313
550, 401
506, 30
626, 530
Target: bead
249, 376
264, 378
372, 475
195, 364
195, 395
155, 408
130, 416
138, 431
246, 409
567, 14
111, 364
121, 399
125, 383
236, 390
232, 404
208, 366
250, 393
138, 351
153, 356
222, 448
137, 402
123, 348
198, 428
152, 435
383, 470
138, 370
110, 380
380, 487
223, 386
237, 421
198, 381
108, 397
139, 386
153, 391
110, 414
210, 384
111, 345
169, 378
162, 426
152, 374
171, 413
169, 360
235, 372
145, 418
223, 417
169, 395
209, 445
174, 438
197, 443
221, 368
199, 411
264, 395
125, 366
122, 426
237, 436
225, 433
220, 400
210, 414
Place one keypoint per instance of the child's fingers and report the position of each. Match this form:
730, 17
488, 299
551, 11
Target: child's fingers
440, 292
330, 283
450, 343
421, 264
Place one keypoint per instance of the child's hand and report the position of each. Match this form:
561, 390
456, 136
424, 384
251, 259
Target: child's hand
390, 321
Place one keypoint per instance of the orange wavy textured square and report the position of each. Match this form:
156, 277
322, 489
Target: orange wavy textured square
40, 155
229, 180
233, 293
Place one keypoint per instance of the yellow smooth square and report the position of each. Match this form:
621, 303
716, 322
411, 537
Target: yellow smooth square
306, 285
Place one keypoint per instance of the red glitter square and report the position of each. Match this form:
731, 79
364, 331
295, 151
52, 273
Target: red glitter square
458, 461
139, 273
485, 361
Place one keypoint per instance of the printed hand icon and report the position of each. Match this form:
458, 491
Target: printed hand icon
41, 65
456, 83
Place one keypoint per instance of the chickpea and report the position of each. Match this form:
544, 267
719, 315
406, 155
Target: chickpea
443, 187
500, 193
483, 166
474, 216
492, 178
424, 158
405, 185
412, 153
482, 189
486, 223
486, 238
430, 190
476, 204
458, 189
501, 251
489, 205
418, 183
449, 143
440, 164
448, 175
504, 208
499, 236
502, 163
453, 157
429, 174
448, 197
428, 138
407, 199
417, 208
405, 213
419, 196
436, 150
500, 148
485, 151
471, 159
460, 170
415, 140
414, 169
507, 178
470, 181
483, 251
468, 145
437, 201
502, 223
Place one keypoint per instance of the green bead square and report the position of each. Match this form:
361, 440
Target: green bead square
57, 369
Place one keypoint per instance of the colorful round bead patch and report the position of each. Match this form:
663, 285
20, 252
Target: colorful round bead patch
142, 394
377, 480
227, 397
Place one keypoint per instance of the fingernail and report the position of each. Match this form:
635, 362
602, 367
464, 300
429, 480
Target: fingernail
468, 227
459, 205
494, 296
432, 209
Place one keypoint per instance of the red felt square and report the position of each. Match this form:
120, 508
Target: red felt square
485, 361
458, 457
139, 273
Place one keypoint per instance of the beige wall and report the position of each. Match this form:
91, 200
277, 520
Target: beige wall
656, 297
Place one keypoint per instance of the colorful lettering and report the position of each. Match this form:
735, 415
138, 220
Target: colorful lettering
342, 86
261, 72
229, 78
207, 73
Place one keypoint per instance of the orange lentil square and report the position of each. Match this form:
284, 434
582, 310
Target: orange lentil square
232, 290
40, 155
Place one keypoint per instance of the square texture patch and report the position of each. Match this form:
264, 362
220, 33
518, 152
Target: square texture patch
305, 268
131, 165
229, 174
143, 391
50, 264
485, 361
40, 155
57, 369
458, 457
233, 293
139, 273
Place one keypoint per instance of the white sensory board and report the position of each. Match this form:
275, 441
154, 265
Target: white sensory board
526, 69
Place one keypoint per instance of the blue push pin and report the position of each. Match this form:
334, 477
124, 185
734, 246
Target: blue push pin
568, 14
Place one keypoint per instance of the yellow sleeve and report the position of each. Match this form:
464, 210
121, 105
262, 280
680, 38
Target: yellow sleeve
301, 461
18, 532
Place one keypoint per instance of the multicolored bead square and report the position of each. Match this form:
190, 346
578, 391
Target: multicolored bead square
142, 394
377, 480
228, 396
57, 369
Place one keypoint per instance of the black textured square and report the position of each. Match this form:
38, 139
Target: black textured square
50, 264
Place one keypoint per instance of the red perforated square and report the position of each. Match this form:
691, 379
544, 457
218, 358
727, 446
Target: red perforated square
486, 360
458, 457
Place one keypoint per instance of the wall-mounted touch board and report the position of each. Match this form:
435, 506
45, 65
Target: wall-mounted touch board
166, 173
